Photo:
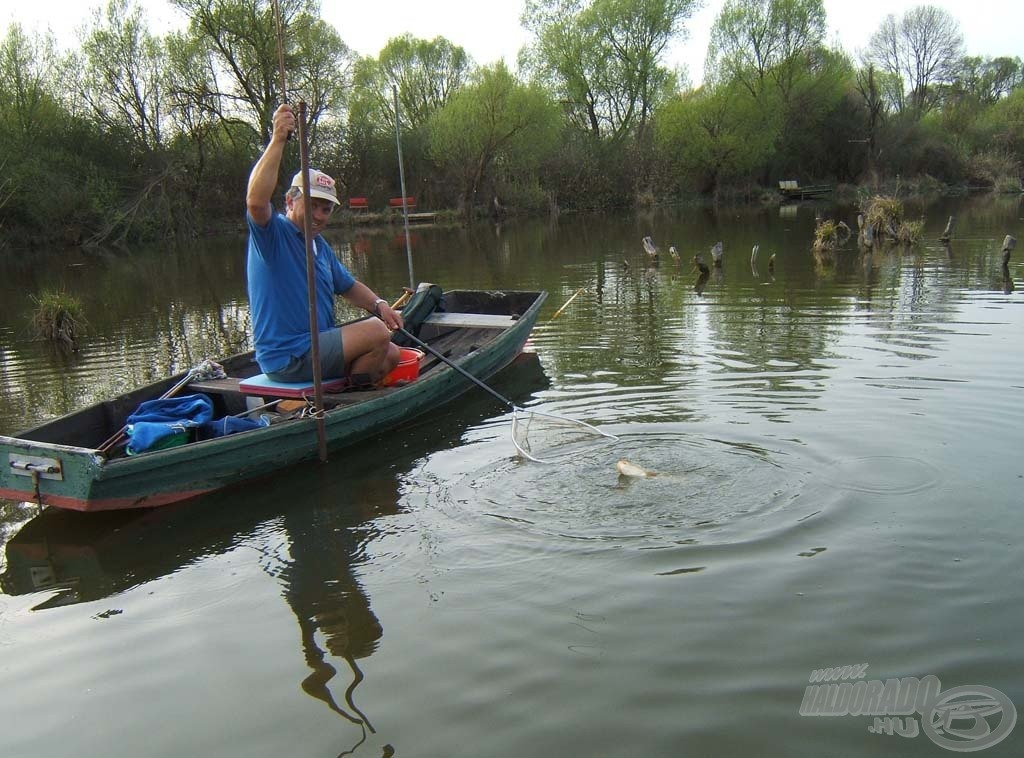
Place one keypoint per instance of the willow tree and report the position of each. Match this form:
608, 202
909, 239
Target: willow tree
774, 51
122, 73
987, 80
30, 70
426, 74
923, 48
764, 44
493, 129
34, 122
241, 39
714, 137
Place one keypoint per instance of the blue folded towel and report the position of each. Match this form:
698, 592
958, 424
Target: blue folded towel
154, 420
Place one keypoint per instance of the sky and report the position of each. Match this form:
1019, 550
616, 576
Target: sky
490, 30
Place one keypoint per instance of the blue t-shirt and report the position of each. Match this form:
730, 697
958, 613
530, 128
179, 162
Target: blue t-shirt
278, 293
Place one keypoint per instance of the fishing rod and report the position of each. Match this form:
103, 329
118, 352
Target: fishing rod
280, 53
401, 176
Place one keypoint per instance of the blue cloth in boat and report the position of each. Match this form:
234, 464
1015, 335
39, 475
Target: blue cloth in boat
155, 420
278, 290
232, 424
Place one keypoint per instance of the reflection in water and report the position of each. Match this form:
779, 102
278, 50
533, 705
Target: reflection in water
86, 557
323, 592
312, 527
701, 283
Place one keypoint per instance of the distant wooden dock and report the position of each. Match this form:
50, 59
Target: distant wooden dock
792, 190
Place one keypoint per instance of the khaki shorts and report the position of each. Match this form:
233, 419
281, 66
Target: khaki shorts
332, 361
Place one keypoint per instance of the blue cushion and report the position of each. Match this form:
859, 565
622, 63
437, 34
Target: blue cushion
261, 384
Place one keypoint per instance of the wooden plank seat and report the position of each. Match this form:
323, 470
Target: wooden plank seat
219, 386
471, 320
358, 204
255, 386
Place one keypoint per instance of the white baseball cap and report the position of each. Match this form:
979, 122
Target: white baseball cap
320, 185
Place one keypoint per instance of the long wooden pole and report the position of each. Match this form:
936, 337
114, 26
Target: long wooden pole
314, 332
307, 232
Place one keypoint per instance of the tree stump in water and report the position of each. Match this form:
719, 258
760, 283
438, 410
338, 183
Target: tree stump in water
1008, 244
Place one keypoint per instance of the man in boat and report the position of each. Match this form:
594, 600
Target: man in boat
278, 291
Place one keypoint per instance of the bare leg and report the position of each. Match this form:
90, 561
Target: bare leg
369, 349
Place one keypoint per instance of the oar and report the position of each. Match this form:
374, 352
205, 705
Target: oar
501, 398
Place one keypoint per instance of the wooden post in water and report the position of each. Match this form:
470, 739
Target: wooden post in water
948, 233
1008, 244
314, 332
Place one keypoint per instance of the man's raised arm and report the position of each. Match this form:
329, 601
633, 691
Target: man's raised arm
263, 178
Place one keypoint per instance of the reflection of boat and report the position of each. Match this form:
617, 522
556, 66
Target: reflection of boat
63, 462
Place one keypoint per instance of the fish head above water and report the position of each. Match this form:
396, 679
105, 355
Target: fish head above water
626, 468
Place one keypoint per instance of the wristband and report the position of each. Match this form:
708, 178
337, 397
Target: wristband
376, 305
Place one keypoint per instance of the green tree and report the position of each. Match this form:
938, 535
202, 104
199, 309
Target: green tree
714, 137
30, 69
122, 70
986, 80
774, 52
1003, 125
40, 140
241, 37
765, 43
426, 73
492, 129
603, 58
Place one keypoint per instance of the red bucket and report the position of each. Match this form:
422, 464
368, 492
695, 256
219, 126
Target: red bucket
407, 370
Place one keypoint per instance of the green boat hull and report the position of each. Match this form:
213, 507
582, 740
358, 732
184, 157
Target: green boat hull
82, 478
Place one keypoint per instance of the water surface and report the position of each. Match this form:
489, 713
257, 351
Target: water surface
837, 448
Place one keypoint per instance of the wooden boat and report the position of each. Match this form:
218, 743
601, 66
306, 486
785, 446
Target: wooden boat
63, 463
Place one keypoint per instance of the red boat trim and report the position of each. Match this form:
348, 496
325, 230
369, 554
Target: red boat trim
105, 504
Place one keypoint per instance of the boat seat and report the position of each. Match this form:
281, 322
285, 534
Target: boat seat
471, 320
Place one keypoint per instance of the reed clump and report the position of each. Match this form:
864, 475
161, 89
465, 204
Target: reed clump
829, 235
881, 220
58, 317
884, 215
910, 233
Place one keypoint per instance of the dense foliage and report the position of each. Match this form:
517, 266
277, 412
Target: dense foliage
132, 135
